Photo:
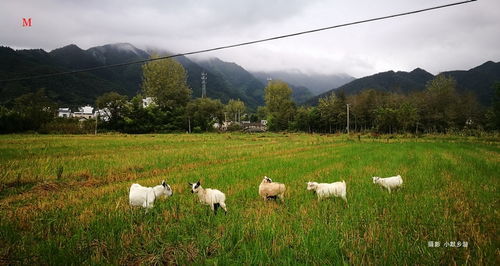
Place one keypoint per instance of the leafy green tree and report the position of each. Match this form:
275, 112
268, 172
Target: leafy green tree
279, 104
468, 112
363, 108
254, 118
139, 119
496, 107
204, 112
326, 108
10, 121
306, 119
439, 104
166, 81
234, 109
35, 109
261, 113
333, 112
113, 106
407, 116
386, 119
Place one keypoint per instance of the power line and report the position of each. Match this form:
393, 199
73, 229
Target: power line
241, 44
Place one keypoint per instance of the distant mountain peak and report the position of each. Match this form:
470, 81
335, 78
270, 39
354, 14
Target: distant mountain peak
69, 47
122, 47
421, 73
489, 65
418, 70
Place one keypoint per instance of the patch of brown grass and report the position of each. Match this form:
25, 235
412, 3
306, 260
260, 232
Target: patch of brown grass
467, 228
189, 251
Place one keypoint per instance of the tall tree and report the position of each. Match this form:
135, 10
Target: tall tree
113, 106
261, 113
306, 119
280, 107
439, 104
407, 116
496, 107
326, 108
166, 81
35, 108
234, 109
333, 112
204, 112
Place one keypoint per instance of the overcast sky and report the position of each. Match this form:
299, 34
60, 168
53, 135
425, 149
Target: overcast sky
459, 37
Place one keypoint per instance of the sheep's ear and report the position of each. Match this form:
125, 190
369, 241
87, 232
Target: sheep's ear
198, 183
163, 183
190, 184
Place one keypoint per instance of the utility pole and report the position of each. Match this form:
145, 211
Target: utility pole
96, 117
269, 79
347, 106
203, 84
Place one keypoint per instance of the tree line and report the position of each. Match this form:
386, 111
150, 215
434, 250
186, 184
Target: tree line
437, 109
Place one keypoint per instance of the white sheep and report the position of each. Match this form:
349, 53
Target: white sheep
146, 196
212, 197
325, 190
270, 190
389, 182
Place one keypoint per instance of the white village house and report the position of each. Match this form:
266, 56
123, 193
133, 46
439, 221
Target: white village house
64, 112
147, 102
245, 125
85, 112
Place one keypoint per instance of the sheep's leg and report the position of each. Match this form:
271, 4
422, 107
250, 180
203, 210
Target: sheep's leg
345, 199
388, 188
281, 197
223, 205
216, 206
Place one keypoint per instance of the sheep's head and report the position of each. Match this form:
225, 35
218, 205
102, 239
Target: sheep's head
375, 179
267, 180
167, 190
195, 187
312, 185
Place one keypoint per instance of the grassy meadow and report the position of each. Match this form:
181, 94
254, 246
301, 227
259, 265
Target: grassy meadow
64, 200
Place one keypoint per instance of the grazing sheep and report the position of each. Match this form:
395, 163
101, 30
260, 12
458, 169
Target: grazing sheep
389, 182
212, 197
270, 190
325, 190
146, 196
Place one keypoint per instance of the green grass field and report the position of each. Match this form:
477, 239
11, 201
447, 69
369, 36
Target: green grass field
83, 217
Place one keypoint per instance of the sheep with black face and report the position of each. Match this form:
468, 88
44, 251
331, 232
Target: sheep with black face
212, 197
271, 190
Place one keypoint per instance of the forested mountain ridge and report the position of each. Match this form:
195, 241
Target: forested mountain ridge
479, 81
84, 88
225, 80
